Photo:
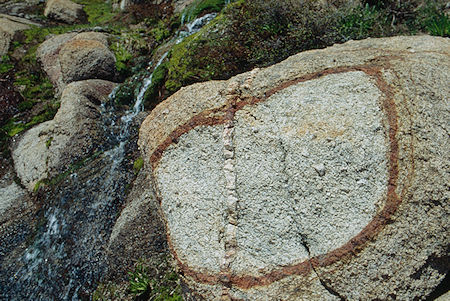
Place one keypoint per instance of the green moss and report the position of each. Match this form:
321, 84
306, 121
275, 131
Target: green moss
13, 127
201, 6
49, 142
180, 68
138, 164
158, 78
98, 11
125, 94
25, 105
71, 169
123, 57
160, 31
5, 64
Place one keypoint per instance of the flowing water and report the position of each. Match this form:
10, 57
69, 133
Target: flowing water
67, 257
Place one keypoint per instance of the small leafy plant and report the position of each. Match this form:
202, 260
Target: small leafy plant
138, 164
439, 26
139, 281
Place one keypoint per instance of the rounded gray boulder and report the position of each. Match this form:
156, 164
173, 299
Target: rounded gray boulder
82, 59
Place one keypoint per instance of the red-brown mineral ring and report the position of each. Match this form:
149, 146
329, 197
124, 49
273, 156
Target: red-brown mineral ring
354, 245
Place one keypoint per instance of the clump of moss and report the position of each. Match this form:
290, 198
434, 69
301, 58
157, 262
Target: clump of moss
5, 64
123, 57
201, 7
98, 11
248, 34
152, 96
138, 164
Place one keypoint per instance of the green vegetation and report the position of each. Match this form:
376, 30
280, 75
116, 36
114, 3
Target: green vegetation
202, 6
358, 23
138, 164
139, 280
439, 26
160, 31
71, 169
151, 96
37, 87
5, 64
48, 143
15, 126
98, 11
123, 57
163, 288
249, 34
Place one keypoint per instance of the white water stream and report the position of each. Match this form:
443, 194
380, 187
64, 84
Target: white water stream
67, 257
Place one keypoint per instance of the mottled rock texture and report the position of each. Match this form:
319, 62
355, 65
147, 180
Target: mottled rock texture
72, 57
65, 11
9, 26
85, 59
324, 177
51, 147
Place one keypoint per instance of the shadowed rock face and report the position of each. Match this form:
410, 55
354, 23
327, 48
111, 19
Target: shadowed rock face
322, 177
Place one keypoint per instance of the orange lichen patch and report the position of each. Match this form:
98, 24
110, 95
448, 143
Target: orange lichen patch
354, 245
83, 44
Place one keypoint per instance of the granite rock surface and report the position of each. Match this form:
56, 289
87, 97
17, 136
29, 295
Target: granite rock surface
51, 147
65, 11
76, 56
323, 177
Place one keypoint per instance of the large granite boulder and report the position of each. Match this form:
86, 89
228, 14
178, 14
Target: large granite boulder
86, 59
65, 11
324, 177
76, 56
76, 130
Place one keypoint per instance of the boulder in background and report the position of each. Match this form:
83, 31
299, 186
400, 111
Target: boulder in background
65, 11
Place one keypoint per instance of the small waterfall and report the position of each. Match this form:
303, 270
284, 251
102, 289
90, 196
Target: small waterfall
67, 257
194, 27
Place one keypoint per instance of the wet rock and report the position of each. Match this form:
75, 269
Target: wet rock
137, 232
65, 11
51, 147
322, 177
17, 213
71, 57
